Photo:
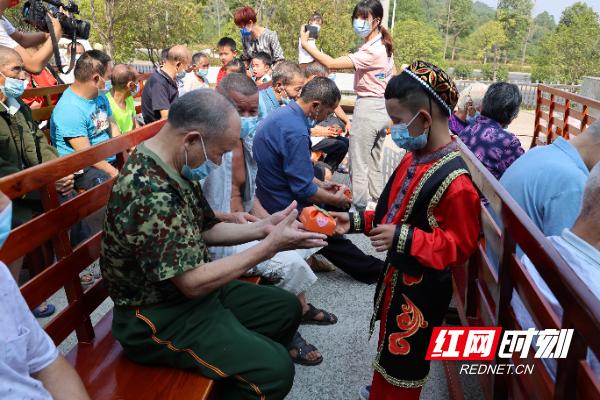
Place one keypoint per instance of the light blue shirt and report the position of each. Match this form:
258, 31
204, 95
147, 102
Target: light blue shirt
548, 183
267, 103
25, 348
75, 116
584, 260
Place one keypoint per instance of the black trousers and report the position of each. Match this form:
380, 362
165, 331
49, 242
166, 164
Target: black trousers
335, 150
352, 260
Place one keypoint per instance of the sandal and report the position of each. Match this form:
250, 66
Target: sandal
87, 280
309, 317
44, 310
303, 348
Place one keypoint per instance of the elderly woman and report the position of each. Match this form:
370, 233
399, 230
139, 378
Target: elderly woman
488, 138
256, 38
468, 107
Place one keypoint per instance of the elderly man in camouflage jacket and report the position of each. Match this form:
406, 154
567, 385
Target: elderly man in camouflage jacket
173, 305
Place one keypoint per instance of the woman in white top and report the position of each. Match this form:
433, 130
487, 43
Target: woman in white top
373, 65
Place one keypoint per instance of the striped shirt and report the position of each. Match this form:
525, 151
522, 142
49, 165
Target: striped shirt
267, 42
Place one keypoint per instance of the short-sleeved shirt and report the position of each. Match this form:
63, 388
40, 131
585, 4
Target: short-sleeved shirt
7, 29
160, 91
193, 82
548, 183
75, 116
281, 150
152, 231
267, 102
267, 42
25, 348
123, 116
493, 145
373, 68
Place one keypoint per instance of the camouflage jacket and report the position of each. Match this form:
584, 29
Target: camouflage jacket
152, 231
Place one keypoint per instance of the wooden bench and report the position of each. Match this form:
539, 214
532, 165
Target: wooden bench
561, 113
483, 298
97, 357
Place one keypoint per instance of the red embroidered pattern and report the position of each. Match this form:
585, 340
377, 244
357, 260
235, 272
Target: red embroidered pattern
409, 323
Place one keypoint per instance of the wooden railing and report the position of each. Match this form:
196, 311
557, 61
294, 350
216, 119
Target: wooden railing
483, 294
560, 113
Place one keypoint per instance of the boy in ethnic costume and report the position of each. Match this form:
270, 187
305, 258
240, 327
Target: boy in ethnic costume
427, 220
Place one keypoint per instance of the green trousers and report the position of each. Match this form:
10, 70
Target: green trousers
238, 333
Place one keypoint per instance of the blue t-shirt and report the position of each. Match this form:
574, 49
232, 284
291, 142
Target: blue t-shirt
548, 183
75, 116
282, 153
267, 103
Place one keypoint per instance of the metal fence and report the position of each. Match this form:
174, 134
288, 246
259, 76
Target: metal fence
528, 90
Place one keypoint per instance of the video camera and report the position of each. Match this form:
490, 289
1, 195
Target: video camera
35, 13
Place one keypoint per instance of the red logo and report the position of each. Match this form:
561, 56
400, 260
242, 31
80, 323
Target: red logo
461, 343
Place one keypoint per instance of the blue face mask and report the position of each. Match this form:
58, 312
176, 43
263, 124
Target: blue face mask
107, 87
402, 138
332, 77
201, 172
361, 27
136, 90
245, 32
13, 88
5, 224
472, 119
202, 73
248, 126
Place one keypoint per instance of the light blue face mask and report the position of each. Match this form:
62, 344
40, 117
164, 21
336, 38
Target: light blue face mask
202, 73
13, 88
248, 126
332, 77
472, 119
5, 224
361, 27
201, 172
107, 87
402, 138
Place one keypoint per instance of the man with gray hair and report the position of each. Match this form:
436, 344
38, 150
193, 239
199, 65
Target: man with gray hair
288, 80
285, 172
174, 306
229, 191
548, 181
579, 246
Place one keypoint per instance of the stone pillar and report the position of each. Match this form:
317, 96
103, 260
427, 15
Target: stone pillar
591, 88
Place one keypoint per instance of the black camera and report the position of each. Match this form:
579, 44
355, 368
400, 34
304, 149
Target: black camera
35, 12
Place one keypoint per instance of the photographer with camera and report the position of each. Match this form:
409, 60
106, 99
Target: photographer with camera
20, 41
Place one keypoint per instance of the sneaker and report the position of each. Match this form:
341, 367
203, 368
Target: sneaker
364, 392
318, 263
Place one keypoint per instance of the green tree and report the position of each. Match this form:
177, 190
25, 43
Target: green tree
488, 38
573, 50
459, 20
286, 17
515, 17
416, 40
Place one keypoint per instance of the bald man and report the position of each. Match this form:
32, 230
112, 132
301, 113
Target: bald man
125, 86
23, 146
162, 89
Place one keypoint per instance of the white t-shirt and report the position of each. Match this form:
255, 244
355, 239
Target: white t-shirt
303, 56
24, 346
7, 29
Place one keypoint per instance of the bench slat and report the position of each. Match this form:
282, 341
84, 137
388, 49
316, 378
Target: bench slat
108, 374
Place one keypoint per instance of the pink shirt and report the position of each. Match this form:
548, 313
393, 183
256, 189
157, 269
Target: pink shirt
373, 68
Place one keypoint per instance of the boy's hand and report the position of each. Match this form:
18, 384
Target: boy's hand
382, 237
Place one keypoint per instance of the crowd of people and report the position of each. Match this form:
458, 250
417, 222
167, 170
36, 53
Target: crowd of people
215, 195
